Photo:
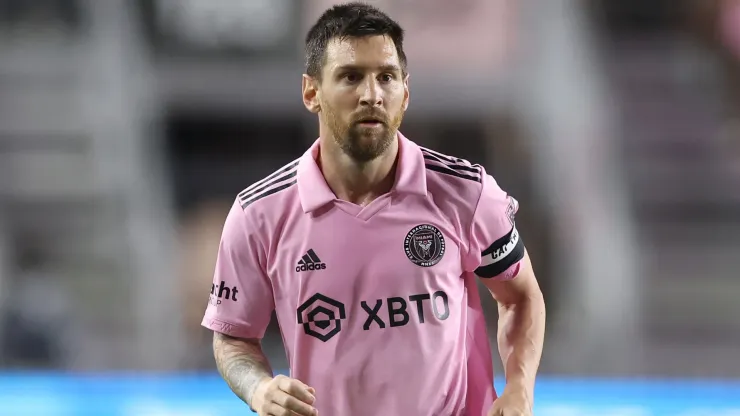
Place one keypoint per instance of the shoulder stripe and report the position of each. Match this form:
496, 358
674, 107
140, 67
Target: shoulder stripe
450, 159
464, 168
448, 171
246, 202
290, 166
454, 163
257, 191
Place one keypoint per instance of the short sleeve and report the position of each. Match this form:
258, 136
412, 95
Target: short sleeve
495, 245
241, 299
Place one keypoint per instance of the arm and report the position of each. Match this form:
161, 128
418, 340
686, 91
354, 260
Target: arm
242, 364
246, 370
238, 312
498, 257
521, 329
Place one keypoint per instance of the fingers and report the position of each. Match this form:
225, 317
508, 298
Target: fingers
282, 400
274, 409
289, 397
297, 389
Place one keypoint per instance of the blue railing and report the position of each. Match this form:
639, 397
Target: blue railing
207, 395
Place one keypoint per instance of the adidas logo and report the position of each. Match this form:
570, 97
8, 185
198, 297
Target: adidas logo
310, 261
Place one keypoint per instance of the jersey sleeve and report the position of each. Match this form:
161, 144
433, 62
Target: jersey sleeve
241, 299
495, 248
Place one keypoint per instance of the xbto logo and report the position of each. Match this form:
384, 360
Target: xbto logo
397, 313
222, 292
321, 316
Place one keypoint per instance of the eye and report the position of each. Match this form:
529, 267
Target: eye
386, 78
352, 77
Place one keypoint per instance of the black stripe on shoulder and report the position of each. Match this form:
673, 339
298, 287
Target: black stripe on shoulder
257, 191
454, 163
463, 168
249, 201
450, 159
451, 172
271, 179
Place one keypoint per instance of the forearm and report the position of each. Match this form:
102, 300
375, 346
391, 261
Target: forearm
520, 338
242, 364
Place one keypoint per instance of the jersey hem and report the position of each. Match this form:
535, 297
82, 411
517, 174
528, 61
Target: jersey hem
228, 328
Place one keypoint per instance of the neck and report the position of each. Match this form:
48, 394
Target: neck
355, 182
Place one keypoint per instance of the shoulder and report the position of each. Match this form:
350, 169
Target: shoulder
452, 174
452, 169
454, 185
270, 192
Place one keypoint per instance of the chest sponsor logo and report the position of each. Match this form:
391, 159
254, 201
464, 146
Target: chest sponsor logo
424, 245
322, 316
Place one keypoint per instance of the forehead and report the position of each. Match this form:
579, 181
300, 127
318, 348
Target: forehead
368, 51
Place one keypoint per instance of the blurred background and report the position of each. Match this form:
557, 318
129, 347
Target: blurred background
128, 127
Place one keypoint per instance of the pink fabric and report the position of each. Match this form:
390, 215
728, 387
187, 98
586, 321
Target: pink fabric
378, 305
730, 25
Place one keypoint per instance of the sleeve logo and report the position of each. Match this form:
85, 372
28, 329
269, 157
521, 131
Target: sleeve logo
511, 209
222, 292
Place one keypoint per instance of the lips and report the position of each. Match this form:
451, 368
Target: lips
370, 121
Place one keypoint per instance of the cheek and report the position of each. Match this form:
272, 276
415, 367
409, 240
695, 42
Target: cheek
397, 95
336, 101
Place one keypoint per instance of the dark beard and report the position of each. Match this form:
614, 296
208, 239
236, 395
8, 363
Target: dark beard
361, 149
354, 140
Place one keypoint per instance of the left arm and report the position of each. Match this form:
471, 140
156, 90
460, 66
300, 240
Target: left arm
497, 256
521, 328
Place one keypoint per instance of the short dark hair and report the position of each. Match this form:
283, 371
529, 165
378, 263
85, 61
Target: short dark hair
349, 20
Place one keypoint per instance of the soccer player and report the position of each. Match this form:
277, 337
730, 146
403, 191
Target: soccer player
369, 247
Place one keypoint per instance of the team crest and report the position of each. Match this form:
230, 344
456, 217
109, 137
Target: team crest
424, 245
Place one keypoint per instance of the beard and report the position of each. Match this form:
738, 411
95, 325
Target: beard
362, 143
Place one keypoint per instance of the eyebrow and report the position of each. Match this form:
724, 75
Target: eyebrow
382, 68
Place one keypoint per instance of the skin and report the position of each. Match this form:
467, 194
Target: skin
362, 78
521, 333
245, 368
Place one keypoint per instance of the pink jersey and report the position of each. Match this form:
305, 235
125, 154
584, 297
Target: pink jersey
378, 305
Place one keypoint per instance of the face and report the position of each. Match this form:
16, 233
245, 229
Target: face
361, 97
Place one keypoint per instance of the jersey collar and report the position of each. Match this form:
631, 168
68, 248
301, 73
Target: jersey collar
314, 191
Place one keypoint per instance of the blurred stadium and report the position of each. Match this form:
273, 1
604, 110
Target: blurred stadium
128, 127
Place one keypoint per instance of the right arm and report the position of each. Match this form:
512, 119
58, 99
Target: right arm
242, 364
238, 312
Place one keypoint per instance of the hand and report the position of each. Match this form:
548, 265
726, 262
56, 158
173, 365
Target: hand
284, 396
512, 403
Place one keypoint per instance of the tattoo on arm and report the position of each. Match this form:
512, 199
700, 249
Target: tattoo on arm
241, 363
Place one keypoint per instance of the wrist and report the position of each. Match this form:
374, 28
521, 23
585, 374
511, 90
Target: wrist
257, 398
519, 386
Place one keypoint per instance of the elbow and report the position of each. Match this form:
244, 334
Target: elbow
530, 301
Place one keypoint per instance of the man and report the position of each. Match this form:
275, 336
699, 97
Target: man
368, 248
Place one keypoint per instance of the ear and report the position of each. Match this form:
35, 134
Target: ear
406, 93
310, 94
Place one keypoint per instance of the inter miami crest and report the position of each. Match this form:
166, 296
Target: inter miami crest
424, 245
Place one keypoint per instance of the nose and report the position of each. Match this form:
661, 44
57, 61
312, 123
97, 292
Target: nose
371, 94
